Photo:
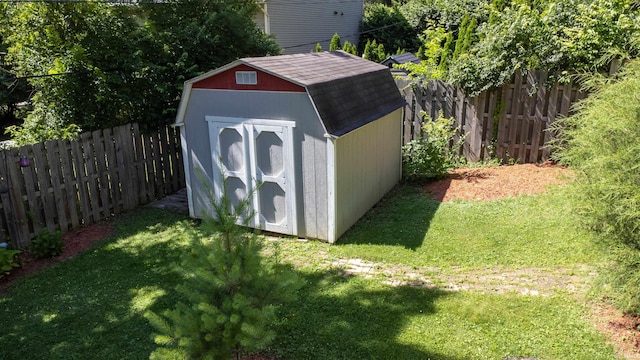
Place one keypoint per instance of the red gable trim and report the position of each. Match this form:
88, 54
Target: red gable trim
226, 80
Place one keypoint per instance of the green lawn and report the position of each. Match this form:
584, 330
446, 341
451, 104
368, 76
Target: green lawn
92, 306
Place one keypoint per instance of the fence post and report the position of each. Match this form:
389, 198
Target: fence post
20, 220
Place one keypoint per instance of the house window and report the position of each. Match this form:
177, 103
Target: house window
246, 78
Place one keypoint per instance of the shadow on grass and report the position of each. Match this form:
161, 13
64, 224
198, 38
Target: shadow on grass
353, 318
91, 307
402, 218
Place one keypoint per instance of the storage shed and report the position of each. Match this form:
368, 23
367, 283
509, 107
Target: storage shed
320, 131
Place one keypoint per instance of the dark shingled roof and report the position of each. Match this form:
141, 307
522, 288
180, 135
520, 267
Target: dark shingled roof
347, 91
401, 59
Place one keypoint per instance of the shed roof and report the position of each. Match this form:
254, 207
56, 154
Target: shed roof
347, 91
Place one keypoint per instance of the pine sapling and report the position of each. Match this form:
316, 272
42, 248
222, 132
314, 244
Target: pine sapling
231, 290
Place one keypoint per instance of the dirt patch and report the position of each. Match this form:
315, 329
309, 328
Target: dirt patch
75, 242
497, 182
623, 330
525, 281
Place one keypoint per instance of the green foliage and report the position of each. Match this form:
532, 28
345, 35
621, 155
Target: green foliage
335, 43
47, 244
445, 54
601, 143
318, 48
465, 37
105, 65
387, 26
349, 48
12, 90
231, 291
496, 38
8, 261
432, 156
427, 14
85, 53
374, 51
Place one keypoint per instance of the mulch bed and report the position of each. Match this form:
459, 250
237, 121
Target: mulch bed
497, 182
75, 242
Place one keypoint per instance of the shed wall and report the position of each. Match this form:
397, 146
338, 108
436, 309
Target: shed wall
368, 165
309, 146
298, 26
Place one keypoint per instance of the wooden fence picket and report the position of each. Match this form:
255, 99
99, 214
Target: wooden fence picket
510, 123
74, 183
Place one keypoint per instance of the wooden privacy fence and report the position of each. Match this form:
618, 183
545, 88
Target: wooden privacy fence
73, 183
507, 123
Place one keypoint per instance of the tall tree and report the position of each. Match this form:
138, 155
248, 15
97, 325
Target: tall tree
388, 26
98, 65
184, 38
79, 58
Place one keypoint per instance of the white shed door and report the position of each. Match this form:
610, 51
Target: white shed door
256, 154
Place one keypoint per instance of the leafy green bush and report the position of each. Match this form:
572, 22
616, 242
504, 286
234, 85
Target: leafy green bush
47, 244
7, 261
231, 293
388, 27
601, 143
435, 153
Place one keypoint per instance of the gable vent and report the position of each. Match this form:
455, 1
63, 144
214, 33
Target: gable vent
246, 78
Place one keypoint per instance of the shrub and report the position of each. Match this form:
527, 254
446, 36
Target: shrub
349, 48
336, 43
435, 153
601, 143
47, 244
231, 292
7, 261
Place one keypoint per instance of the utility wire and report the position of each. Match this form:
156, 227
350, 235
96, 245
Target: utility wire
85, 72
349, 35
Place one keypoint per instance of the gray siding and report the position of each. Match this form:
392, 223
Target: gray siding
309, 146
298, 25
368, 165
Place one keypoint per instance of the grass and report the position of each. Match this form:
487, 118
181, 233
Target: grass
408, 228
527, 231
91, 306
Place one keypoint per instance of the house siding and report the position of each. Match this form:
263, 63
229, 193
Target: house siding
298, 26
310, 165
367, 165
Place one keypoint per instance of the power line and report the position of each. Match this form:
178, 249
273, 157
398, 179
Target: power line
134, 2
348, 35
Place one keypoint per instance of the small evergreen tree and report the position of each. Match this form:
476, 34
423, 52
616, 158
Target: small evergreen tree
231, 293
350, 48
368, 49
443, 64
381, 53
461, 36
374, 51
335, 43
318, 48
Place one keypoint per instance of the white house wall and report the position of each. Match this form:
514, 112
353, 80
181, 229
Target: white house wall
309, 146
299, 24
367, 165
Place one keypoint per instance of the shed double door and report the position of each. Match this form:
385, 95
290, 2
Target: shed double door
255, 156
